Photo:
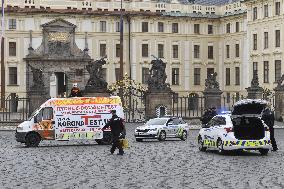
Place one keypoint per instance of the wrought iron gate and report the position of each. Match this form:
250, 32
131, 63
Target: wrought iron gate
133, 98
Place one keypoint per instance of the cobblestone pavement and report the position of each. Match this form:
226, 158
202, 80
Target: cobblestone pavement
151, 164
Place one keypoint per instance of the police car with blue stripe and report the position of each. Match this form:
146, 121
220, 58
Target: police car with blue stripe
162, 128
243, 129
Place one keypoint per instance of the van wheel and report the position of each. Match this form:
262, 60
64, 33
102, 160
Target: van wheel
183, 136
220, 147
263, 152
162, 136
139, 139
201, 145
32, 140
107, 139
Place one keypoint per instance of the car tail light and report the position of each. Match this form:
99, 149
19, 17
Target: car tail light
228, 130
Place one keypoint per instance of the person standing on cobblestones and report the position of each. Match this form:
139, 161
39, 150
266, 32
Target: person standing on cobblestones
268, 118
118, 132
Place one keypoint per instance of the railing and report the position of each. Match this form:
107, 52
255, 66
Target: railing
15, 110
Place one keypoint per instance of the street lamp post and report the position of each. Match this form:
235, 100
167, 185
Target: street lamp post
2, 61
121, 51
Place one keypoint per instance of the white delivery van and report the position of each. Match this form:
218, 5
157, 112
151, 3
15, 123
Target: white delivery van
70, 118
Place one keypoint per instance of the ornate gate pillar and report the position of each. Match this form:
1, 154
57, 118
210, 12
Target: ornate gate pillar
279, 100
212, 92
159, 93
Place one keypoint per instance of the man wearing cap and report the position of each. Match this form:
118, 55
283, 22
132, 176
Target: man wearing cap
75, 91
117, 130
268, 118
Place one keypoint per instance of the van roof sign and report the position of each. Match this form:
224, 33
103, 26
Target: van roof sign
82, 101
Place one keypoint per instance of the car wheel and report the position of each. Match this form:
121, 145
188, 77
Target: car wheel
263, 152
162, 136
200, 145
220, 146
32, 139
183, 136
139, 139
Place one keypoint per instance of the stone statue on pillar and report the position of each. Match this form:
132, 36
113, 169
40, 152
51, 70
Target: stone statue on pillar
212, 92
157, 80
38, 82
159, 96
96, 82
211, 82
255, 91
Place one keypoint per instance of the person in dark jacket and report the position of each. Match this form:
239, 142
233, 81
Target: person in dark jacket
268, 118
75, 91
117, 130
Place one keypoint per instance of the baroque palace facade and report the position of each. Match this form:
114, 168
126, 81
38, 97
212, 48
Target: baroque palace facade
195, 39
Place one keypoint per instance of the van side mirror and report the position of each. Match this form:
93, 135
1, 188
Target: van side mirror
35, 119
170, 123
205, 125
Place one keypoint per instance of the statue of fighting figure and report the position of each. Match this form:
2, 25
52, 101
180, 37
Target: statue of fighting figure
280, 84
157, 80
38, 82
96, 82
211, 82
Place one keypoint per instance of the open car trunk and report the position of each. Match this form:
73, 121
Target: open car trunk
248, 128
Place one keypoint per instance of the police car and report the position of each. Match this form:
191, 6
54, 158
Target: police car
242, 129
162, 128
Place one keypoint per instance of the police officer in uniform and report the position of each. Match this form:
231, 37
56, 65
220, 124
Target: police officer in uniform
118, 132
268, 118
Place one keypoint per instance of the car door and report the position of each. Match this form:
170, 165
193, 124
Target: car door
175, 127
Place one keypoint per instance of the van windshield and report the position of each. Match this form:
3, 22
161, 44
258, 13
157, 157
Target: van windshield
34, 113
156, 122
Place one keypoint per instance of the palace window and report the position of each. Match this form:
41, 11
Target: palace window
175, 51
144, 26
117, 74
254, 41
277, 70
277, 38
145, 75
12, 49
227, 51
237, 27
228, 28
117, 50
265, 11
237, 50
210, 71
175, 27
102, 26
175, 76
265, 72
12, 24
160, 27
196, 51
210, 29
265, 40
277, 8
102, 50
145, 50
104, 73
255, 67
237, 75
197, 28
210, 52
13, 76
254, 13
160, 51
228, 76
197, 76
117, 26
